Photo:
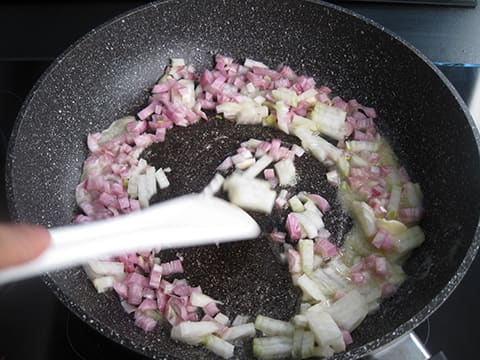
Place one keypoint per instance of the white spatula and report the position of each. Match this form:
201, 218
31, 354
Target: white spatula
189, 220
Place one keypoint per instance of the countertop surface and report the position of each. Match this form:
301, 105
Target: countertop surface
443, 33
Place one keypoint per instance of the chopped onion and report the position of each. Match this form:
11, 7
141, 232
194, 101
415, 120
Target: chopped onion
192, 332
330, 120
258, 166
219, 346
214, 185
275, 347
240, 320
310, 288
286, 172
273, 327
103, 283
349, 311
250, 194
294, 262
326, 331
222, 319
240, 331
162, 179
308, 343
298, 150
295, 204
200, 300
306, 255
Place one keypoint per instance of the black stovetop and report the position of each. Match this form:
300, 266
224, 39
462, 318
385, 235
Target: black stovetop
35, 325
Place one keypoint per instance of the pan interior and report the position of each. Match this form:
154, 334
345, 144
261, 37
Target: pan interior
109, 72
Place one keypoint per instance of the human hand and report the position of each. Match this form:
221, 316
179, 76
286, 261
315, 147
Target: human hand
21, 243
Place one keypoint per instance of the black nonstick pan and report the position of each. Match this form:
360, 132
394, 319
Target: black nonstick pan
108, 73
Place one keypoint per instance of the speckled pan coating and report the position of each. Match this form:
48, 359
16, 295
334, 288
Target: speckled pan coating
108, 73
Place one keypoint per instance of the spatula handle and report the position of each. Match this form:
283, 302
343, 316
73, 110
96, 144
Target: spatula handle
190, 220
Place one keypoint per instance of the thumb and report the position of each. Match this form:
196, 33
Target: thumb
21, 243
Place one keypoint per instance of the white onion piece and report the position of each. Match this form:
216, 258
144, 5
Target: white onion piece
308, 343
151, 184
192, 332
106, 267
307, 225
162, 179
258, 166
298, 150
297, 343
302, 122
281, 110
285, 172
305, 247
133, 186
300, 321
214, 185
365, 216
326, 331
177, 62
308, 96
219, 346
117, 128
251, 143
251, 63
200, 300
349, 311
240, 319
310, 288
273, 327
250, 194
222, 319
143, 193
103, 283
238, 332
295, 204
288, 96
275, 347
409, 240
330, 120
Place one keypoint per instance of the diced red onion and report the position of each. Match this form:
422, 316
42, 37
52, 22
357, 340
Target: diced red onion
381, 267
149, 293
147, 304
211, 309
294, 265
388, 289
293, 227
155, 276
162, 300
325, 248
269, 174
127, 307
338, 295
134, 292
320, 201
182, 290
135, 278
144, 322
410, 215
347, 337
172, 267
358, 278
121, 289
277, 236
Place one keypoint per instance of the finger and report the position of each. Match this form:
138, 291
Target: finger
21, 243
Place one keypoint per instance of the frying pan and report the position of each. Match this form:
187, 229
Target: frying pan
107, 74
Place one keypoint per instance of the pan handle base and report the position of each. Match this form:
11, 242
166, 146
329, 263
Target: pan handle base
406, 347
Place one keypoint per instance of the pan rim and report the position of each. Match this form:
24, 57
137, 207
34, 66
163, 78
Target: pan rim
384, 340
